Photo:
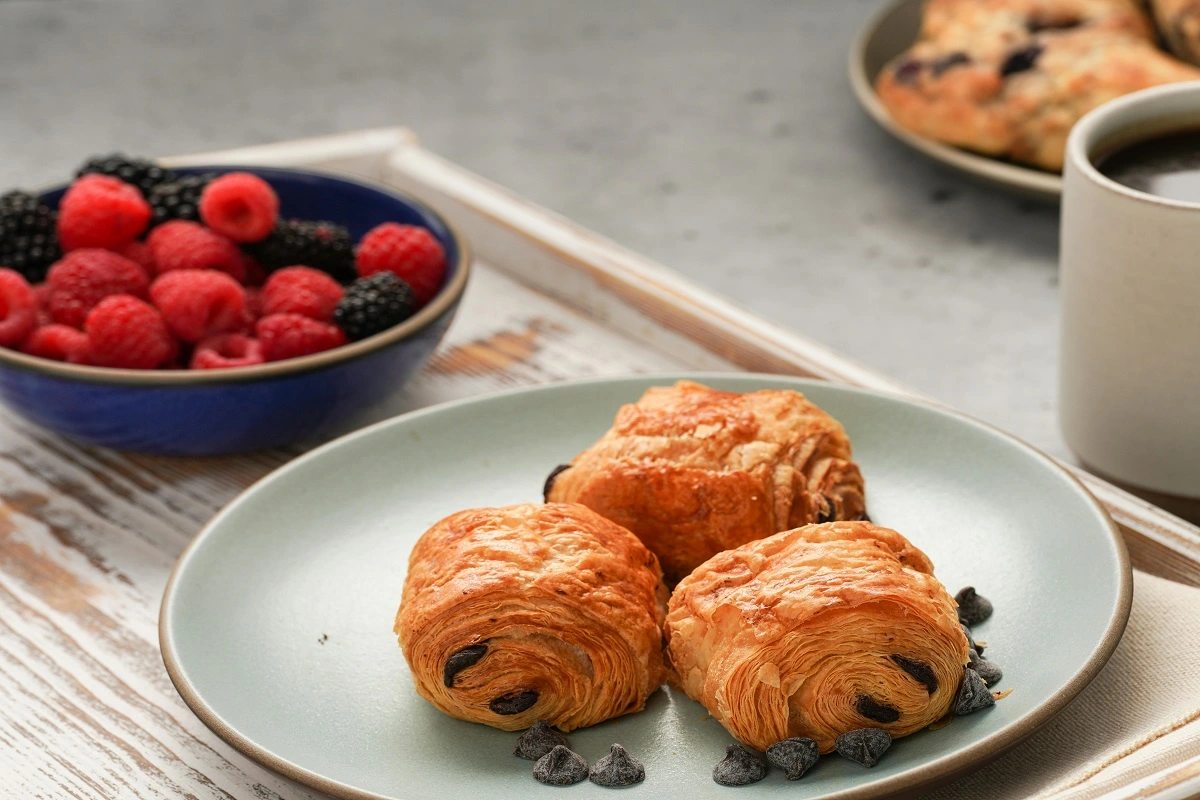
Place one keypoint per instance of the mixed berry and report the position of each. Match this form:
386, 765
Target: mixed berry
142, 268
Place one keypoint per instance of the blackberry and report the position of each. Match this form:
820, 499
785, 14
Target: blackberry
178, 199
31, 255
374, 304
28, 235
140, 172
320, 245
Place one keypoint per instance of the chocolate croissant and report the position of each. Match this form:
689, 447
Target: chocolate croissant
817, 632
694, 471
530, 612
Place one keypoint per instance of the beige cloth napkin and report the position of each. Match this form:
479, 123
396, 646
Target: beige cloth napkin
1141, 713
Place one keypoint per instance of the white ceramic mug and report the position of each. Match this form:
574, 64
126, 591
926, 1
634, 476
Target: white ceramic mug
1129, 374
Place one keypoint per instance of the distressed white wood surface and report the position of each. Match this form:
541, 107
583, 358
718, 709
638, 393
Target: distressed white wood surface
88, 536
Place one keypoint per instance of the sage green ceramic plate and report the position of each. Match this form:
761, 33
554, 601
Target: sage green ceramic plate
276, 626
886, 35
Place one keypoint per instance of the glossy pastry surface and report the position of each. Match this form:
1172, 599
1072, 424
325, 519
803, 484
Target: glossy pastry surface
533, 612
816, 632
694, 471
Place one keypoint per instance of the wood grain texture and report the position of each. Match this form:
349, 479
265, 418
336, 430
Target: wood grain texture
88, 536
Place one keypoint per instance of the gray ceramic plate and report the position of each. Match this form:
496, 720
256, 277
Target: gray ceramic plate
276, 625
888, 34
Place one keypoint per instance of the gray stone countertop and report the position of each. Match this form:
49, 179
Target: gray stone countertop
720, 138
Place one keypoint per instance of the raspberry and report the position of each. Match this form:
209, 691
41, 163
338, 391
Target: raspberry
301, 290
41, 295
241, 206
253, 311
125, 332
85, 277
291, 335
58, 343
188, 245
412, 253
18, 307
198, 303
256, 273
101, 211
139, 253
227, 350
374, 304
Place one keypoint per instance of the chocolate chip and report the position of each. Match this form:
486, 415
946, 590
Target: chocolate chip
873, 710
908, 71
972, 608
971, 643
863, 517
949, 62
467, 657
549, 484
739, 767
972, 694
514, 703
865, 745
1021, 60
560, 767
1041, 22
989, 671
794, 756
618, 768
539, 740
920, 671
828, 510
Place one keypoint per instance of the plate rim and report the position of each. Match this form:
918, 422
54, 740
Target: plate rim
1026, 180
926, 775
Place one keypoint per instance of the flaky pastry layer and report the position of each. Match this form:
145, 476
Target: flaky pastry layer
816, 632
533, 612
694, 471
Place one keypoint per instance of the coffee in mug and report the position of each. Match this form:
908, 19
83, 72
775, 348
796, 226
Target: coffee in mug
1167, 165
1129, 365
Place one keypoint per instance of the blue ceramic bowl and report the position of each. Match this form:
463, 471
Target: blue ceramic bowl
210, 412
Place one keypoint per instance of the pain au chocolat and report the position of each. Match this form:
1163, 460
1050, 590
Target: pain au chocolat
816, 632
694, 471
533, 612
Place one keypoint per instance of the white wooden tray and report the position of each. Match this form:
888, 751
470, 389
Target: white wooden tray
88, 536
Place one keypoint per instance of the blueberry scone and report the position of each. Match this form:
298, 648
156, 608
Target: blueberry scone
694, 471
1179, 24
815, 633
1009, 78
992, 27
533, 612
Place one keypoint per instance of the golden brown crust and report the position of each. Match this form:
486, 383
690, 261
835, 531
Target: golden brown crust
783, 636
557, 600
1010, 77
991, 28
1179, 23
694, 471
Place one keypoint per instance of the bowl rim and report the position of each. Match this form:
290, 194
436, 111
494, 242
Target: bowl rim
442, 302
1028, 181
